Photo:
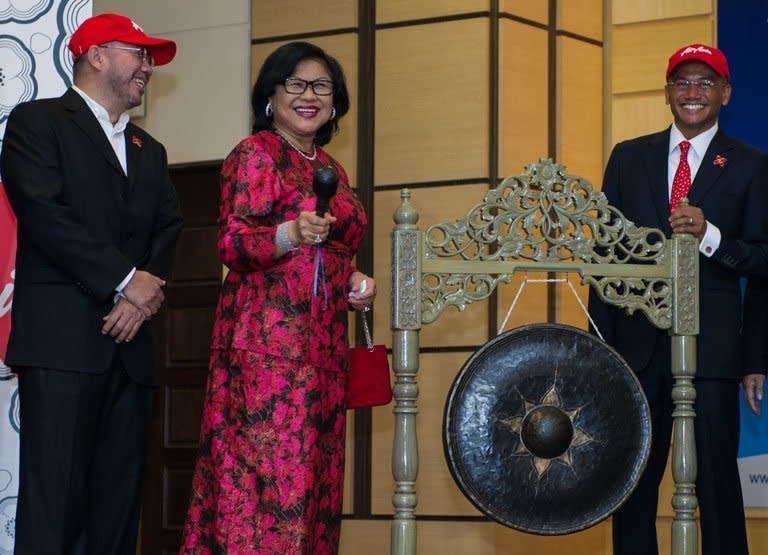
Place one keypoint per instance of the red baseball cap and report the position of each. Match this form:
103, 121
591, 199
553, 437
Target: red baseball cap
709, 55
107, 27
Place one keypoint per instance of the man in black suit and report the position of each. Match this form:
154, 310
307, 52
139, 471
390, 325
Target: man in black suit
98, 220
726, 182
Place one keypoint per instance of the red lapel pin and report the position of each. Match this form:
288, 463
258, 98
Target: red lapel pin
137, 141
720, 161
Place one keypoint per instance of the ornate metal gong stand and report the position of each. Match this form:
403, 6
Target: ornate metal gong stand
546, 221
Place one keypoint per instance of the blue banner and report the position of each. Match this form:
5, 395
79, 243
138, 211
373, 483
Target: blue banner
739, 24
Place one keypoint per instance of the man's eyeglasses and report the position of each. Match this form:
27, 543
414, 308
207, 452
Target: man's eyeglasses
703, 85
321, 87
141, 52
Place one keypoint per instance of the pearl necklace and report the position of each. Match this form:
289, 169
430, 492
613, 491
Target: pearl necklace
309, 157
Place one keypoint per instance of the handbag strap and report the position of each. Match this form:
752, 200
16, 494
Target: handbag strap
366, 329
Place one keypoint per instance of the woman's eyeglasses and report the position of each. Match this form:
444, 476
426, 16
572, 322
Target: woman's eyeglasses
321, 87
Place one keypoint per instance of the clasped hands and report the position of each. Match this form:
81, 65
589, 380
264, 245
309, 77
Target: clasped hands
688, 219
141, 299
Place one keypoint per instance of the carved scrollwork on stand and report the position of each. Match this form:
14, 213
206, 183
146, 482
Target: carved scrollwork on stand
442, 290
687, 285
405, 276
653, 297
545, 215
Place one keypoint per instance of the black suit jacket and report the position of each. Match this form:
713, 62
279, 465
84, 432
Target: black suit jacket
734, 197
82, 226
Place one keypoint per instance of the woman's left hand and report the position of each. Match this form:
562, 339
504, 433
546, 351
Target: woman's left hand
362, 290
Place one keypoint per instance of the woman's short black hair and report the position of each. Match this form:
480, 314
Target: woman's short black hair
279, 66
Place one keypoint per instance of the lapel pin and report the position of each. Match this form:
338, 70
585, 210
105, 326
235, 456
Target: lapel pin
137, 141
720, 161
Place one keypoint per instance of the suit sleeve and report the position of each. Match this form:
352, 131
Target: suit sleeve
166, 226
249, 187
748, 253
604, 315
754, 333
33, 180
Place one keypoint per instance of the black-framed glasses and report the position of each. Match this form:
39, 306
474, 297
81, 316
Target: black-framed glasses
141, 52
703, 85
321, 87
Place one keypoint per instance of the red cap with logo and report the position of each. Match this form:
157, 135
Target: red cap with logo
709, 55
107, 27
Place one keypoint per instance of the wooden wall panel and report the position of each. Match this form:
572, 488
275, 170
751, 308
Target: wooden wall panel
178, 484
583, 17
435, 205
184, 407
349, 466
438, 494
432, 117
388, 11
456, 538
579, 139
757, 535
434, 538
272, 18
594, 541
632, 11
535, 11
343, 47
580, 108
364, 536
531, 306
570, 302
199, 244
191, 330
638, 114
523, 118
183, 329
640, 52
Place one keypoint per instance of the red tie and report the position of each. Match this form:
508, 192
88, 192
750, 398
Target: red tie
682, 181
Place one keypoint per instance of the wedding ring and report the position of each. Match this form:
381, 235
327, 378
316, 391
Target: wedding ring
690, 221
318, 239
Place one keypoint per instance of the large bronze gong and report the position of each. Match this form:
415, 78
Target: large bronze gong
546, 429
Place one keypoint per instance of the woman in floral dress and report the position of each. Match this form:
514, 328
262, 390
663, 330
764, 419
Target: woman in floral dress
270, 467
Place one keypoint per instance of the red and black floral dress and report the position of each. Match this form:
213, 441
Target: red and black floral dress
270, 468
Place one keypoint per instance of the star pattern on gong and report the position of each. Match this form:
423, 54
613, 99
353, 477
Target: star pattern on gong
515, 423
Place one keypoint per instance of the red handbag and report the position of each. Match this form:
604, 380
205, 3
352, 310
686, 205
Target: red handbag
368, 382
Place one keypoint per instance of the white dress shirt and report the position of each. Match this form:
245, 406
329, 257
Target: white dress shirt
116, 137
699, 145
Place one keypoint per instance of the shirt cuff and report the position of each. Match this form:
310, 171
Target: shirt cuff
119, 295
711, 240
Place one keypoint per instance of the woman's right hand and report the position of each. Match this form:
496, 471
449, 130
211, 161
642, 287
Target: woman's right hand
310, 229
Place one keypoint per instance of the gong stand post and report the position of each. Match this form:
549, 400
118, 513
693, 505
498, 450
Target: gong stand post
684, 532
406, 322
685, 327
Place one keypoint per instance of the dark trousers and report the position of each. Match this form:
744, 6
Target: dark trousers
718, 488
83, 444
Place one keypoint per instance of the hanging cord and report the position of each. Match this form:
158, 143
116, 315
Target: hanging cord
319, 276
366, 329
567, 280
